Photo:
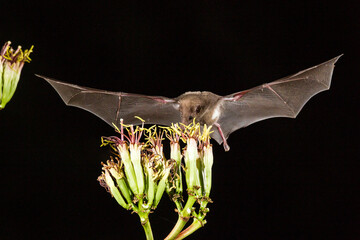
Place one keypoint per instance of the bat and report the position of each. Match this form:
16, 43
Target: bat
281, 98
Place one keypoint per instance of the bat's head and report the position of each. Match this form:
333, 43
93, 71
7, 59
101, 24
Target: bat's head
198, 105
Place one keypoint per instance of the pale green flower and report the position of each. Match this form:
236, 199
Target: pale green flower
11, 64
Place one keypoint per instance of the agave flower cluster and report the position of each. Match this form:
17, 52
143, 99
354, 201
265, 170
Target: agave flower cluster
136, 178
140, 173
198, 161
11, 64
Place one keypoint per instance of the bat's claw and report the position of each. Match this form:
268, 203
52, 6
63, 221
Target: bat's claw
226, 146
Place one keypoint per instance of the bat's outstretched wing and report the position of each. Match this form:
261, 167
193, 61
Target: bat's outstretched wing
282, 98
113, 106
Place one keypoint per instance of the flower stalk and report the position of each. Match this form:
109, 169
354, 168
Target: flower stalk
11, 63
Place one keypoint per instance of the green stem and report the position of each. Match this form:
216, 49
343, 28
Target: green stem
184, 217
144, 219
147, 229
177, 228
178, 205
190, 230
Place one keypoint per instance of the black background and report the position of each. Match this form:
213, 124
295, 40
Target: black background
282, 179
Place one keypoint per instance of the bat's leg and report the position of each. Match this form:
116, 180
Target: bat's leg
226, 146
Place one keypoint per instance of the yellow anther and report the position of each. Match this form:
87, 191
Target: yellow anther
140, 118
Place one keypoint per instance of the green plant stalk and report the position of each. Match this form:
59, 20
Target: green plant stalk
198, 221
178, 205
145, 222
190, 230
184, 217
148, 231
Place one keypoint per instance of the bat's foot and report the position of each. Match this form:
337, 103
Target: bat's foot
226, 146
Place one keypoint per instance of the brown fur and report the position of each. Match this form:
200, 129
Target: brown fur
198, 105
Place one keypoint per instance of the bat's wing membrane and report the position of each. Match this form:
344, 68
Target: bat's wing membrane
282, 98
113, 106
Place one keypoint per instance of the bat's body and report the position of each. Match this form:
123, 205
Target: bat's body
203, 106
282, 98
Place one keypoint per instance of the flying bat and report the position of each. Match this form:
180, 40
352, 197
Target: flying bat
281, 98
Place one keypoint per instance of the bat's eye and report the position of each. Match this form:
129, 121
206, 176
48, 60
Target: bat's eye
198, 109
191, 118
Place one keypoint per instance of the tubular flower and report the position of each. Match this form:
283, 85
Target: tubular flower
11, 63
